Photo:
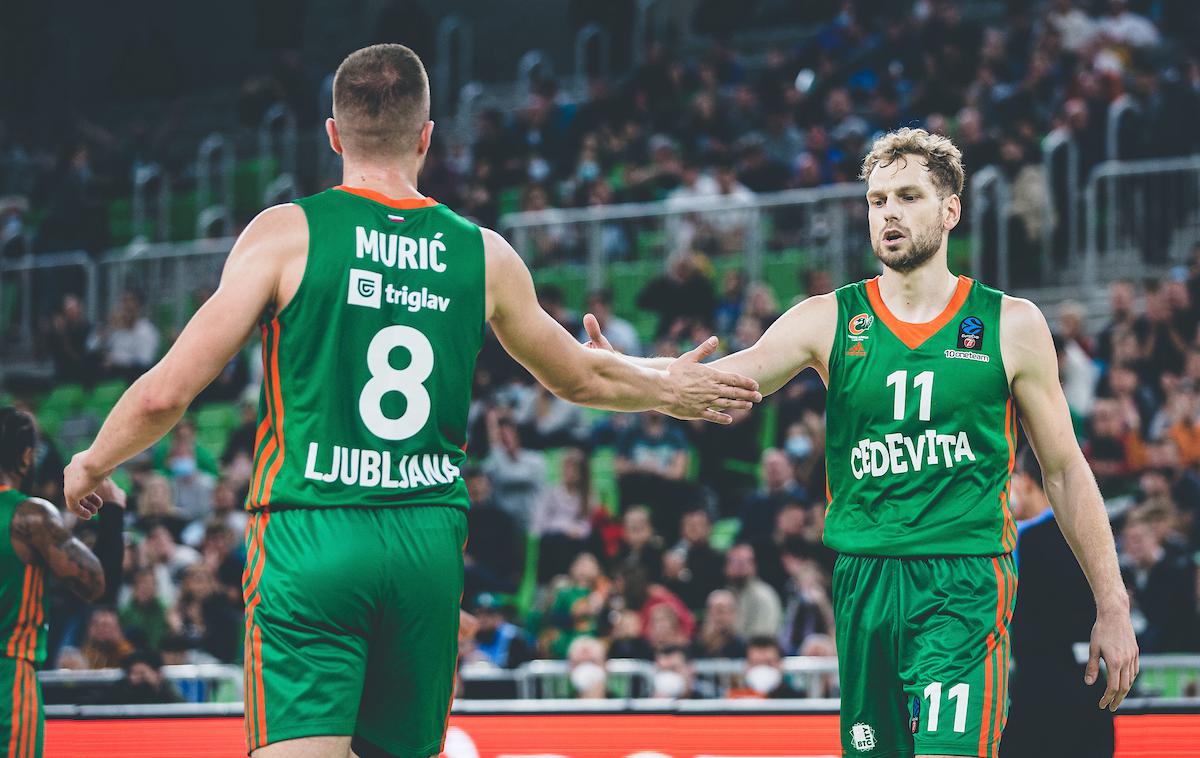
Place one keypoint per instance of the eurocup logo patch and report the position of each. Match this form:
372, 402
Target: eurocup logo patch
863, 737
970, 333
860, 324
366, 288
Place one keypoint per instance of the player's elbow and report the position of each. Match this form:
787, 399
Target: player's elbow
581, 388
93, 589
156, 398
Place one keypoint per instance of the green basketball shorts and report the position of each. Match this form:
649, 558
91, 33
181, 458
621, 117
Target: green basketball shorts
352, 625
22, 721
923, 650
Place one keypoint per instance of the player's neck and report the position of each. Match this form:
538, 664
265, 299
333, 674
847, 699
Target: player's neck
389, 181
919, 295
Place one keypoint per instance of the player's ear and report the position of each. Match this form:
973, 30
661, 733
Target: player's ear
335, 141
951, 212
27, 461
426, 138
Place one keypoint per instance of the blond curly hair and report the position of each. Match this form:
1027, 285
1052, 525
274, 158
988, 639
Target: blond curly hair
938, 153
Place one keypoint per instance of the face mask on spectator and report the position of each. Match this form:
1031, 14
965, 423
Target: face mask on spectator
799, 446
183, 466
585, 676
669, 684
763, 679
588, 171
539, 169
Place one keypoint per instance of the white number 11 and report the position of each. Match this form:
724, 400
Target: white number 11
924, 381
959, 693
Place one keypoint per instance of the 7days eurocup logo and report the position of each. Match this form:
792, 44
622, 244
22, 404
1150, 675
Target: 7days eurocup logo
859, 325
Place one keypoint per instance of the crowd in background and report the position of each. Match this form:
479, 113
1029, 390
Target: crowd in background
708, 544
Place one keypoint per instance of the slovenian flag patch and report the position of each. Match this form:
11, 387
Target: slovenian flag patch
397, 219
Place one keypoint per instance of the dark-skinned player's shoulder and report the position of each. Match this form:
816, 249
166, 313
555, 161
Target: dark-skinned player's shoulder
39, 525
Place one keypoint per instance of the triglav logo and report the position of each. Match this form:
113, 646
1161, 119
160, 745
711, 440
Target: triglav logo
366, 288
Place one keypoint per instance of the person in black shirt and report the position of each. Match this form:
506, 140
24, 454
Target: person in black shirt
1053, 712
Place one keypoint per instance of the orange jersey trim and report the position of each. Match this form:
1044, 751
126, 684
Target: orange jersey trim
401, 203
277, 400
914, 335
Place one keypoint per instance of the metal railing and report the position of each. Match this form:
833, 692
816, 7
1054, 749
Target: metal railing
827, 225
206, 683
989, 203
1150, 217
455, 60
33, 285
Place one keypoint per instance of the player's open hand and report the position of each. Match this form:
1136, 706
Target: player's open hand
703, 392
79, 488
596, 338
1114, 641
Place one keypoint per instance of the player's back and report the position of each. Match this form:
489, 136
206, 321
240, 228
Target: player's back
22, 585
367, 370
921, 428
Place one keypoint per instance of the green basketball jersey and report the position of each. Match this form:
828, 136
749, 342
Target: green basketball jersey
367, 371
22, 593
920, 428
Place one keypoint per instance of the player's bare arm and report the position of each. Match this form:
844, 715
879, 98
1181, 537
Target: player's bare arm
42, 538
599, 378
1032, 366
263, 269
800, 338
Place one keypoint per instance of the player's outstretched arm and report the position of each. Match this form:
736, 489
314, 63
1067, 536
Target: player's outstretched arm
599, 378
157, 400
801, 337
39, 526
1028, 352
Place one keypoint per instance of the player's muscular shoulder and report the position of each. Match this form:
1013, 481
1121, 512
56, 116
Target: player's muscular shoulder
275, 243
502, 265
1025, 341
35, 522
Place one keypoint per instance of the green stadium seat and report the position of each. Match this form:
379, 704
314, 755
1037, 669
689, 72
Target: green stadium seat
604, 478
65, 398
724, 532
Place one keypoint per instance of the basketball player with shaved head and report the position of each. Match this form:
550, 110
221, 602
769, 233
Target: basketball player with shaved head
928, 373
372, 300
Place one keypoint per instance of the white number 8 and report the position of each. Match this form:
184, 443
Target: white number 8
408, 382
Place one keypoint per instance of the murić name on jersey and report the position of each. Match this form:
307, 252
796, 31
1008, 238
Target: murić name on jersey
372, 468
398, 251
899, 453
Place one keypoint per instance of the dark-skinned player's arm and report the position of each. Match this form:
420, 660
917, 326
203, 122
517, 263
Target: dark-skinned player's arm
798, 339
158, 399
1028, 351
598, 378
39, 527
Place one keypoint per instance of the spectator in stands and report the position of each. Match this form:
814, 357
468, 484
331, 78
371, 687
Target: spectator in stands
1124, 27
1113, 450
1162, 589
562, 515
640, 546
497, 640
576, 606
547, 421
791, 529
759, 611
619, 332
665, 628
144, 616
1183, 424
130, 341
680, 295
1074, 26
69, 343
1122, 319
192, 471
674, 676
718, 636
207, 618
651, 464
494, 556
763, 676
166, 558
239, 446
779, 486
104, 646
808, 610
221, 554
1163, 346
226, 510
589, 678
626, 640
516, 474
693, 568
143, 683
